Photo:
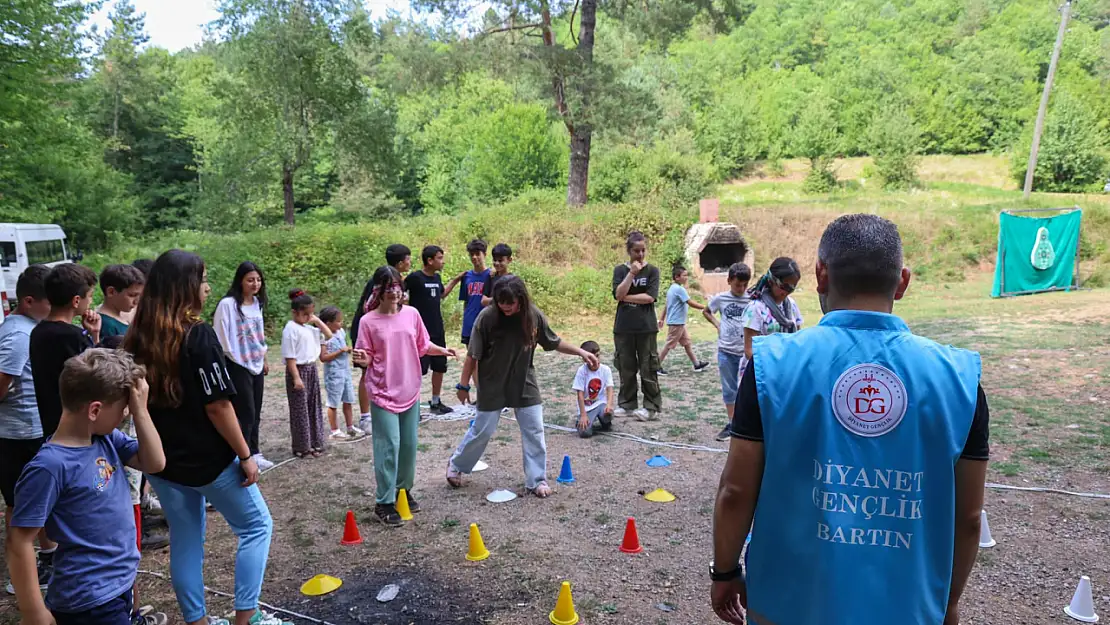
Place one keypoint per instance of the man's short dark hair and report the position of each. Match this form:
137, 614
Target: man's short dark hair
65, 282
863, 254
396, 253
501, 250
32, 283
143, 264
429, 252
677, 271
120, 277
475, 246
591, 347
740, 271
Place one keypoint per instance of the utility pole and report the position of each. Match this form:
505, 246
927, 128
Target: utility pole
1038, 128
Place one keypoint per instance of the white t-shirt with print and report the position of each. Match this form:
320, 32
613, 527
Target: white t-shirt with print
593, 384
759, 318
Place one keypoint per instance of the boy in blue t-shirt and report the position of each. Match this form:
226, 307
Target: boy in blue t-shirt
473, 284
74, 487
674, 317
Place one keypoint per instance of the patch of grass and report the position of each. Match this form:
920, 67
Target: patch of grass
448, 524
602, 519
422, 447
1009, 469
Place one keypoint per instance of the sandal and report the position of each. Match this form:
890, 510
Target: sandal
454, 477
316, 453
542, 490
301, 454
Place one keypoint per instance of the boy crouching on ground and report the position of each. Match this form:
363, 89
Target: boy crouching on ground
594, 387
74, 487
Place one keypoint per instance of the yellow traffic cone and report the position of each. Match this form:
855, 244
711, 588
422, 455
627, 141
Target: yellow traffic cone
477, 550
564, 613
403, 505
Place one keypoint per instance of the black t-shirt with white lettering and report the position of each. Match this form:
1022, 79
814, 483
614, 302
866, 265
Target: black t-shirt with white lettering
747, 421
196, 454
426, 295
636, 318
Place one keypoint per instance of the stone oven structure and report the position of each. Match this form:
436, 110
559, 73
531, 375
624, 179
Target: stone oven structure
712, 247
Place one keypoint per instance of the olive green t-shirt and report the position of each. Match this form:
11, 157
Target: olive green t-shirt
506, 377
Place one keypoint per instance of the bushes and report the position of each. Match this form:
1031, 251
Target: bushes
1072, 153
669, 174
895, 142
816, 137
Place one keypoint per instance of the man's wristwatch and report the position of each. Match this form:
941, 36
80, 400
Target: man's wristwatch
724, 576
462, 387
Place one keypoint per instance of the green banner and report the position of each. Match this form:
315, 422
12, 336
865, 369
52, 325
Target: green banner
1036, 253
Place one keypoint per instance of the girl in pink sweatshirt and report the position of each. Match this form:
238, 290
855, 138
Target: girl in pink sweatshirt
391, 340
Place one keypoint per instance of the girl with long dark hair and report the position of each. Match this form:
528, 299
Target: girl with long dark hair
207, 458
502, 344
300, 348
391, 340
242, 332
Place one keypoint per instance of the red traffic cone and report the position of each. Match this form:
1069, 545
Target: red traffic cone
631, 543
350, 531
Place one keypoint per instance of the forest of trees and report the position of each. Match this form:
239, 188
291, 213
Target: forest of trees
308, 109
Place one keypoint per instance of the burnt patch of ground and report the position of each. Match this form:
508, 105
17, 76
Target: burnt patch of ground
424, 598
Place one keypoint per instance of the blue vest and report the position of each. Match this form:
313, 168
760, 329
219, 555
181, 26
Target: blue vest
863, 423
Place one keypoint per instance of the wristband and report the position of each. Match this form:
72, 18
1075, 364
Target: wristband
462, 387
724, 576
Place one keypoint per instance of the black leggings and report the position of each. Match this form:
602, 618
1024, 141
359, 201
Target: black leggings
247, 402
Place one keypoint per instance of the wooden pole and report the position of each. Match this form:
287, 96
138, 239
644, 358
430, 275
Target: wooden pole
1065, 14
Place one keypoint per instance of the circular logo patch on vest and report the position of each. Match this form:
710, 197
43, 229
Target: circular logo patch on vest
869, 400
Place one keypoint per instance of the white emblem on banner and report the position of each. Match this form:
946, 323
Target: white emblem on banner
869, 400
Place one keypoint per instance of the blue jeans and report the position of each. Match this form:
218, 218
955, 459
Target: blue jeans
731, 367
249, 518
114, 612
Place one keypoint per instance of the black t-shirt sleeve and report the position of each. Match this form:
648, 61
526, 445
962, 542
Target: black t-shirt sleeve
747, 421
487, 288
207, 378
412, 282
977, 446
619, 273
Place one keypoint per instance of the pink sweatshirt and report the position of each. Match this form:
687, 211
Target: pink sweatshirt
395, 344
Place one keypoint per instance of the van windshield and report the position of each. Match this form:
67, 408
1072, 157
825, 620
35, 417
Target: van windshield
43, 252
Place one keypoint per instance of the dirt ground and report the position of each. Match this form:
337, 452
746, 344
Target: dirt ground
1049, 388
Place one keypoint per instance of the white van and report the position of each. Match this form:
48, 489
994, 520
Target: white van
22, 245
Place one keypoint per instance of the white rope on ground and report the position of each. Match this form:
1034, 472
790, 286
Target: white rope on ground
1041, 489
219, 593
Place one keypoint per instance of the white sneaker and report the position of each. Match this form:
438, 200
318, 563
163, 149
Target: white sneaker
339, 434
263, 463
151, 503
641, 414
355, 432
366, 425
620, 412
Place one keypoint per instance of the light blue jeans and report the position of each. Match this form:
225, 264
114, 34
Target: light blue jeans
246, 513
731, 368
532, 444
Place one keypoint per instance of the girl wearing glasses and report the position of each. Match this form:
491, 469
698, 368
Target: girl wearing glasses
772, 309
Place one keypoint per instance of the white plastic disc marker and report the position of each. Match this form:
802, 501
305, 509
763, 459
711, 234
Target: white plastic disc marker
501, 496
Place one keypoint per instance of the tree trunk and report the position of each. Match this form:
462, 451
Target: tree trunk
287, 191
581, 134
579, 176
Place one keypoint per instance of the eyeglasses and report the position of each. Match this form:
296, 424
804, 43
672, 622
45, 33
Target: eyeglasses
784, 286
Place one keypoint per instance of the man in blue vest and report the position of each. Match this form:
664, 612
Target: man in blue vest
860, 452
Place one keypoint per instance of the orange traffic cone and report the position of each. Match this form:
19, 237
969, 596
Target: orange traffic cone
631, 543
350, 531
